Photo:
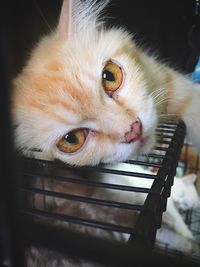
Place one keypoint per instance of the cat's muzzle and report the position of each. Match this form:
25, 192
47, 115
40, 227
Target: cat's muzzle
135, 132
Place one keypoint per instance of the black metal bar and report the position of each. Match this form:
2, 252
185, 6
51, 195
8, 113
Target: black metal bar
143, 233
94, 184
156, 204
76, 220
111, 254
83, 199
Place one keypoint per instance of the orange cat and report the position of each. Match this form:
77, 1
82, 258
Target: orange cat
88, 94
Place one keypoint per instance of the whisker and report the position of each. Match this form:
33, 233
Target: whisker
158, 92
160, 96
43, 17
162, 101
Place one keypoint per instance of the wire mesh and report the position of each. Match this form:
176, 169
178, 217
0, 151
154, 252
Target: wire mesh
64, 214
64, 198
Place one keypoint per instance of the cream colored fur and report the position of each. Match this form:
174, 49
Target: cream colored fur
183, 194
60, 89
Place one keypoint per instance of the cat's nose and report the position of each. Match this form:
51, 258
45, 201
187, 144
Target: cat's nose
134, 133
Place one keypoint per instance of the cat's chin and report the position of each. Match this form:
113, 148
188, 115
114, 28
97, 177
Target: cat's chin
128, 151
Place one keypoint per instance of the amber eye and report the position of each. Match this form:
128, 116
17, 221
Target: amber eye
73, 141
112, 76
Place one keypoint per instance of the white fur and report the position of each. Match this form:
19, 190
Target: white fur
183, 194
82, 54
29, 132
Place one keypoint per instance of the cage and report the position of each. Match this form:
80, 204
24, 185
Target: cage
61, 220
35, 232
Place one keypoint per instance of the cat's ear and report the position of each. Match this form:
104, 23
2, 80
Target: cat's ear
65, 24
189, 178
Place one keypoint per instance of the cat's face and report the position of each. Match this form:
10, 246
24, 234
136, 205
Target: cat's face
84, 101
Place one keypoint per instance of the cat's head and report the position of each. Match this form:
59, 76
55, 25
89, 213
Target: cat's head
184, 192
82, 97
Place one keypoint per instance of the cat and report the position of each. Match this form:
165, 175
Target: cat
184, 195
89, 95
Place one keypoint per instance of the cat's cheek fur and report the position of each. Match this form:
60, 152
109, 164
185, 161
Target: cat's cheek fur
93, 153
61, 85
121, 152
105, 154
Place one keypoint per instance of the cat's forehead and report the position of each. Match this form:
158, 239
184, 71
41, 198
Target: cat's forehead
66, 76
56, 61
93, 50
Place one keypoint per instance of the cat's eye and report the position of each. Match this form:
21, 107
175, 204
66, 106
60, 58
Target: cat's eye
112, 76
73, 141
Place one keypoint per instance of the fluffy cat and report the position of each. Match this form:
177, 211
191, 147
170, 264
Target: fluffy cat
89, 95
183, 195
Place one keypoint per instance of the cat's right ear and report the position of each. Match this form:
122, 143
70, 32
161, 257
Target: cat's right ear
66, 20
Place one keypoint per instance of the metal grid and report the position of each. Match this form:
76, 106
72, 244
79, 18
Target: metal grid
44, 183
192, 219
188, 163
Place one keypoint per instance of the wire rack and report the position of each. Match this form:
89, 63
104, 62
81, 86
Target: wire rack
59, 211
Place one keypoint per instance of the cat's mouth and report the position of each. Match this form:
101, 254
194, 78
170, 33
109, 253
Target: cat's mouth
135, 133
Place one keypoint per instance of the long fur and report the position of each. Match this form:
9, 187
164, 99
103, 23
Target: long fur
60, 89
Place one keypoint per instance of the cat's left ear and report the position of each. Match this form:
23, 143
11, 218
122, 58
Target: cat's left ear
189, 178
66, 23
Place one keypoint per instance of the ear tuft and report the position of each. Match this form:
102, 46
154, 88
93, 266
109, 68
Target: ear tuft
80, 18
65, 24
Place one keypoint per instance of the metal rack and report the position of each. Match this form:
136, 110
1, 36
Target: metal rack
73, 235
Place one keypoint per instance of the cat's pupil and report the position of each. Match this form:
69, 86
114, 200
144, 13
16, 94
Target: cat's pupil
71, 138
109, 76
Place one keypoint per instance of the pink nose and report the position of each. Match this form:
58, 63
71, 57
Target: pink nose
135, 132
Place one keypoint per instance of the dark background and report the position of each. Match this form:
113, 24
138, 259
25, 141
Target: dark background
169, 28
163, 27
